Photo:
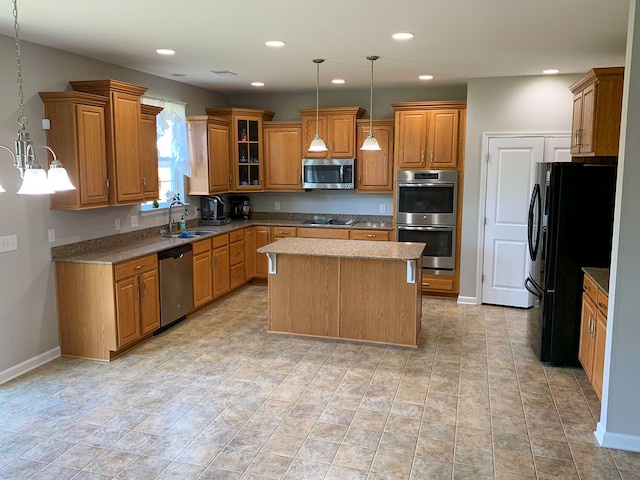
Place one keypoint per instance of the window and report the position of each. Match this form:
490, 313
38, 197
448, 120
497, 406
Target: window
173, 152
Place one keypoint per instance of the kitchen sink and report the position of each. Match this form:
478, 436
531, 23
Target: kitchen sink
190, 234
328, 221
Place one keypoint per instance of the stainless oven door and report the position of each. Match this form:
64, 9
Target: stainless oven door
439, 255
428, 203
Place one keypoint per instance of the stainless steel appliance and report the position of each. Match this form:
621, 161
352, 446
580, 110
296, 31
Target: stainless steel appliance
212, 211
570, 226
176, 283
328, 173
426, 211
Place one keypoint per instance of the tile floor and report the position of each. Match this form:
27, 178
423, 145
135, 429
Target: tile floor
216, 397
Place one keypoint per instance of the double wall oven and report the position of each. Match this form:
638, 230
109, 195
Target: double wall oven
426, 210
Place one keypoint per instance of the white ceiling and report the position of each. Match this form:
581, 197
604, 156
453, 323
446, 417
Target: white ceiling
454, 39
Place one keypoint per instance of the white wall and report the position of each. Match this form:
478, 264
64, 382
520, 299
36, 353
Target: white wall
504, 105
325, 201
28, 322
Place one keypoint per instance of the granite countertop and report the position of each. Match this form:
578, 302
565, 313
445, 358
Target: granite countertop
124, 247
345, 248
600, 276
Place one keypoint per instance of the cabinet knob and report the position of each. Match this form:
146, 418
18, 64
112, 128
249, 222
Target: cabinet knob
602, 305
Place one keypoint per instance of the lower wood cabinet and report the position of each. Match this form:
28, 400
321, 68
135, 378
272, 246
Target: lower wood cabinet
437, 283
103, 308
236, 259
593, 333
249, 253
263, 237
310, 232
220, 246
372, 235
202, 273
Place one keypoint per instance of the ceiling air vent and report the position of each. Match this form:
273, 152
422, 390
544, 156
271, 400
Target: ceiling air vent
224, 73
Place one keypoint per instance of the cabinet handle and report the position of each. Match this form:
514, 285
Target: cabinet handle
107, 185
431, 156
579, 136
601, 305
585, 288
370, 235
138, 267
575, 138
427, 284
422, 156
144, 184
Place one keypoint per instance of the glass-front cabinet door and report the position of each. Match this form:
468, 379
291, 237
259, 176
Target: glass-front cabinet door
249, 154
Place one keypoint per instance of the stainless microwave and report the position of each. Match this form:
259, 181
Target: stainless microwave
328, 173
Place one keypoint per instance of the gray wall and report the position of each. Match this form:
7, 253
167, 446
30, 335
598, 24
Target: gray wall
541, 104
27, 294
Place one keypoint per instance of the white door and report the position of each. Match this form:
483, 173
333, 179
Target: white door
511, 170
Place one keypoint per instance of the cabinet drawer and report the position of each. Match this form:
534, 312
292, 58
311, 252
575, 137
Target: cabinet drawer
444, 284
602, 302
376, 235
236, 274
201, 246
324, 233
236, 235
281, 232
220, 240
589, 287
236, 253
133, 267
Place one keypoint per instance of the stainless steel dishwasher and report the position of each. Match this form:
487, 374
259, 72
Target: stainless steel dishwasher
176, 283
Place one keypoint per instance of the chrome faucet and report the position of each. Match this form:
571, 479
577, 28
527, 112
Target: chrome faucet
174, 203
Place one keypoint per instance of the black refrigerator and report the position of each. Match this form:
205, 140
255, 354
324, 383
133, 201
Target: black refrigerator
570, 226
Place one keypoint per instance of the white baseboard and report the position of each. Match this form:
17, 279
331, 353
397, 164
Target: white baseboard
28, 365
619, 441
467, 300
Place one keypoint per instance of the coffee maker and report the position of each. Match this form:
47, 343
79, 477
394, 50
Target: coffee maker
240, 207
212, 211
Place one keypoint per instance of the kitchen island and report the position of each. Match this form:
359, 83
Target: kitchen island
356, 290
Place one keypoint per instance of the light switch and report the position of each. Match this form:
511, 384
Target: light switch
52, 235
134, 220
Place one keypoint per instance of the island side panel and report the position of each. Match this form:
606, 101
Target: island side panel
376, 302
304, 295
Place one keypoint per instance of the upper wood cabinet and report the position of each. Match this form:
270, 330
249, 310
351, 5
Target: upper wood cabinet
123, 137
283, 156
208, 139
374, 168
77, 135
428, 134
597, 110
246, 151
149, 151
336, 126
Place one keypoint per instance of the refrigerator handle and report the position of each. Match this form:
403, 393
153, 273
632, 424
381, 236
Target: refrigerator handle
533, 288
535, 202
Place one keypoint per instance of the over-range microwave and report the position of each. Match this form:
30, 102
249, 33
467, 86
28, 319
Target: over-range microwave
328, 173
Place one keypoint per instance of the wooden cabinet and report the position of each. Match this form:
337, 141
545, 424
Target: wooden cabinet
236, 258
593, 332
283, 232
283, 156
374, 168
315, 232
202, 273
263, 237
123, 137
429, 134
208, 140
77, 135
438, 284
597, 110
149, 151
220, 256
249, 253
336, 126
246, 152
372, 235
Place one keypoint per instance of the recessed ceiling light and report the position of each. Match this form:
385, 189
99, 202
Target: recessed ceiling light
426, 77
274, 43
257, 84
165, 51
338, 81
551, 71
403, 36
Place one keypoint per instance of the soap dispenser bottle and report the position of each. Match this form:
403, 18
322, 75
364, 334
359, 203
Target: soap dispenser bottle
182, 225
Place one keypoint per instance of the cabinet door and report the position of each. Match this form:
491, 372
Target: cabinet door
309, 133
92, 155
126, 147
202, 277
128, 310
218, 137
585, 351
149, 302
599, 340
263, 238
283, 155
220, 271
411, 139
249, 253
248, 153
341, 136
149, 157
587, 124
576, 122
315, 232
375, 167
442, 140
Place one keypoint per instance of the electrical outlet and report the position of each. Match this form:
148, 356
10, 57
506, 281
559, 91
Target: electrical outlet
52, 235
134, 220
117, 224
8, 243
277, 206
383, 208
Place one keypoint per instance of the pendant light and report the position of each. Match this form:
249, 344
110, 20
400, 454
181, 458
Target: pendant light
35, 180
317, 144
370, 143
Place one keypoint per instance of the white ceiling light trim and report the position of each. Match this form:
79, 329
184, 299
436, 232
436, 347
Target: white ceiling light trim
165, 51
551, 71
403, 36
425, 77
275, 43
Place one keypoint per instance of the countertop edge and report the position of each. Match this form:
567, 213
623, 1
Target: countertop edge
600, 277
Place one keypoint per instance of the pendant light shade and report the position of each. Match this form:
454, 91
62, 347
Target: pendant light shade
35, 182
370, 143
317, 144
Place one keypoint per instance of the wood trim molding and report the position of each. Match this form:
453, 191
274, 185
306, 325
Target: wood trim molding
428, 105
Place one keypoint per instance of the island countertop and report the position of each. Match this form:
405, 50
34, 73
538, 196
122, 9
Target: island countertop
345, 248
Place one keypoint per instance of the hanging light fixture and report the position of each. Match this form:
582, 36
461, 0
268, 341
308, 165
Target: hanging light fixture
370, 143
317, 144
35, 180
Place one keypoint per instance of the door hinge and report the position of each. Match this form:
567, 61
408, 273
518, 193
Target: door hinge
485, 220
487, 157
482, 280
